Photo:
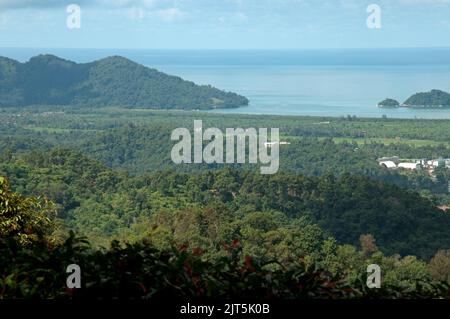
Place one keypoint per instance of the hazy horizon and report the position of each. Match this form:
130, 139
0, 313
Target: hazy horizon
225, 24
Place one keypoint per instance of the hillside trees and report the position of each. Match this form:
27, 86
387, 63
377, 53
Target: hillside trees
24, 219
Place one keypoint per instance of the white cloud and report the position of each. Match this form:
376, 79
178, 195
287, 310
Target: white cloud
19, 4
127, 3
136, 13
137, 10
425, 1
170, 14
139, 13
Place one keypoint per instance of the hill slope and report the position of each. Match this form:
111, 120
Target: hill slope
434, 98
113, 81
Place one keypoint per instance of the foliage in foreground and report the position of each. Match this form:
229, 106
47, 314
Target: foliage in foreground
138, 271
36, 268
23, 219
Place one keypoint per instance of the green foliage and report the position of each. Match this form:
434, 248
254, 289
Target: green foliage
105, 204
302, 219
439, 265
24, 219
141, 270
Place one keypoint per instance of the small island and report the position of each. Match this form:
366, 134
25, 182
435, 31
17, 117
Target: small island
389, 103
432, 99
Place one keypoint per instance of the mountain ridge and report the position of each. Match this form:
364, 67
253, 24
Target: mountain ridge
112, 81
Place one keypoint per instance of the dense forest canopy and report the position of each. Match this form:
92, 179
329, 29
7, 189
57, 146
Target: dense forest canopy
119, 148
332, 207
102, 203
113, 81
202, 252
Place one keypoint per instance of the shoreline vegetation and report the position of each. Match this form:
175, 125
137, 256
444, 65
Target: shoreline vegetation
424, 100
54, 82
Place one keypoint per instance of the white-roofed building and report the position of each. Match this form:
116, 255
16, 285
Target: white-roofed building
270, 144
388, 164
412, 166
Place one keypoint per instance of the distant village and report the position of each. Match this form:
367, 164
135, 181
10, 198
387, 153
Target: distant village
395, 162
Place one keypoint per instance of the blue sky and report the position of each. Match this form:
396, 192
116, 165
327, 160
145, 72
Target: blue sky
224, 24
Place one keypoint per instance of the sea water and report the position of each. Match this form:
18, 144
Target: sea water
333, 82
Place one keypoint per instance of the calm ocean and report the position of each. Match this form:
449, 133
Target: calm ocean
330, 82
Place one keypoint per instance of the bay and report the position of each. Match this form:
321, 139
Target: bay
333, 82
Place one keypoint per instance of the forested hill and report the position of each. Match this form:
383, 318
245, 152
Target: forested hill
113, 81
434, 98
103, 203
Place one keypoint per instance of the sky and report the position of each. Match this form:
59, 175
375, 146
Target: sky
224, 24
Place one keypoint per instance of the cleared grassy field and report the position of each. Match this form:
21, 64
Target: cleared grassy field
417, 133
388, 141
55, 129
379, 140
